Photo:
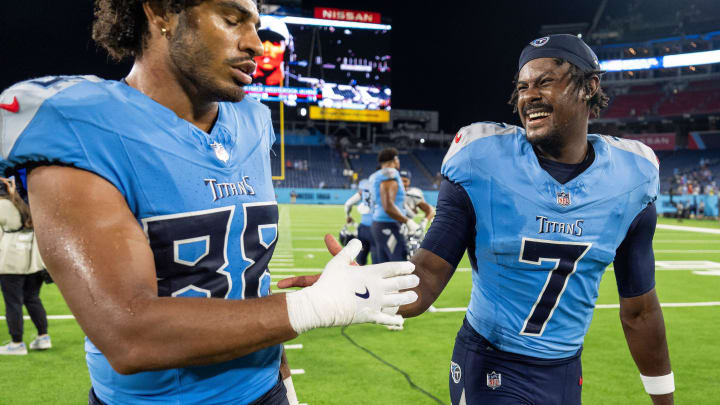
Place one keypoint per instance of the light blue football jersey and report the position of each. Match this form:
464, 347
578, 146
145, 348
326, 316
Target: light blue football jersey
388, 173
541, 247
366, 199
205, 201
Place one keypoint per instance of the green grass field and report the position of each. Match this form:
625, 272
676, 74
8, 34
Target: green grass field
339, 372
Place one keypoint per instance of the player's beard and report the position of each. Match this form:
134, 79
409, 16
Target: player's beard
548, 144
193, 60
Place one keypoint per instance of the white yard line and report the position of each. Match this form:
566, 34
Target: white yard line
296, 371
610, 306
688, 229
293, 347
52, 317
284, 252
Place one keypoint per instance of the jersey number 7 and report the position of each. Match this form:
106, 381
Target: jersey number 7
566, 256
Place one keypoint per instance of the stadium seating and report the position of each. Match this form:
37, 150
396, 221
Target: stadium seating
638, 101
689, 101
324, 166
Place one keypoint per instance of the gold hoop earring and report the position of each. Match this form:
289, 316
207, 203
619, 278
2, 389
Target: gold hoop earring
164, 31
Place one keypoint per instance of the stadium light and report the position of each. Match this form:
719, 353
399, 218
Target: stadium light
669, 61
422, 140
619, 65
690, 59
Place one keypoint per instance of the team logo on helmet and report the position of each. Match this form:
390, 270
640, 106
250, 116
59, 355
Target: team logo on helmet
455, 372
563, 198
494, 380
540, 42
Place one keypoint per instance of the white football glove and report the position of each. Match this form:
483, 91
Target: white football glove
346, 294
412, 227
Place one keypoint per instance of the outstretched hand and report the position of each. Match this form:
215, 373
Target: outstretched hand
333, 246
346, 294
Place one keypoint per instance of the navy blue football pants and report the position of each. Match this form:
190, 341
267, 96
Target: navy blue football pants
481, 374
389, 243
365, 236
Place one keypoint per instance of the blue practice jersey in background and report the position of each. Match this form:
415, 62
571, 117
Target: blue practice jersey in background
388, 173
205, 201
541, 247
366, 200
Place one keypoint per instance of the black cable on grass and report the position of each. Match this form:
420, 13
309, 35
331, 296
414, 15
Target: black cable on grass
392, 366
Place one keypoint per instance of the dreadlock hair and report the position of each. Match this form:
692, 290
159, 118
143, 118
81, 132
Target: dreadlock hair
580, 80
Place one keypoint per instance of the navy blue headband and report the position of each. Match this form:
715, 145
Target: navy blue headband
563, 46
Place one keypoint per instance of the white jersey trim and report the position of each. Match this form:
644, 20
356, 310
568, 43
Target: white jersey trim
30, 96
635, 147
472, 133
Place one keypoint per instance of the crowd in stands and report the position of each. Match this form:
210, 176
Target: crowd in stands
697, 180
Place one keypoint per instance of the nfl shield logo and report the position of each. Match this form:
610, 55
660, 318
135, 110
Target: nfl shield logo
494, 380
220, 152
455, 372
563, 198
540, 42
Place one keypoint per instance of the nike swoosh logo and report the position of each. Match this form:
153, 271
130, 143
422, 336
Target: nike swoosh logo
12, 107
364, 296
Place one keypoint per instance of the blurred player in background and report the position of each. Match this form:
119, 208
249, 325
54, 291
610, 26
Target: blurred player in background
415, 201
276, 39
388, 196
154, 211
364, 229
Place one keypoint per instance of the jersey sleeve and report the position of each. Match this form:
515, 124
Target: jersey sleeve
645, 165
41, 133
458, 164
389, 173
634, 259
452, 231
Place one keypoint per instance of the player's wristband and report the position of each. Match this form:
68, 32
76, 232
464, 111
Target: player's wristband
661, 385
291, 394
